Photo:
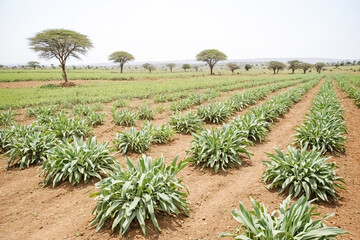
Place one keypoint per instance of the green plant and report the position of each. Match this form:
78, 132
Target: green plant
186, 123
215, 112
255, 128
289, 222
180, 105
5, 136
94, 118
119, 104
124, 117
132, 140
7, 118
221, 147
28, 145
145, 113
42, 110
78, 161
302, 172
141, 192
82, 110
161, 134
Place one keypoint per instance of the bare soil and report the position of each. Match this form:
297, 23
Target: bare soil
29, 211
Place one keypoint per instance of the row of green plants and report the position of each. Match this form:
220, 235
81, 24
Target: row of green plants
352, 92
126, 117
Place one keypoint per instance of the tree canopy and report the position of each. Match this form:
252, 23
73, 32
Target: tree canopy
211, 57
294, 64
248, 67
305, 66
171, 66
121, 58
60, 44
232, 66
319, 66
149, 67
276, 66
186, 66
33, 64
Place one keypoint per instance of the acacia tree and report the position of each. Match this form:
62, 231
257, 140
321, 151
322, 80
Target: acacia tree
121, 58
293, 65
248, 67
276, 66
232, 67
196, 67
171, 66
305, 66
149, 67
186, 66
319, 66
211, 57
33, 64
60, 44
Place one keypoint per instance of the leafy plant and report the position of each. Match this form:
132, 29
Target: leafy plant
145, 113
215, 112
161, 134
186, 123
141, 192
42, 110
132, 141
82, 110
7, 118
124, 117
119, 104
302, 172
255, 128
94, 118
78, 161
289, 222
221, 147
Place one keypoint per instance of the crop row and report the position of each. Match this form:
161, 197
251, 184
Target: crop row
350, 90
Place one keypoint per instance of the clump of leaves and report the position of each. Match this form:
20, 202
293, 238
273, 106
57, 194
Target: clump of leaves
82, 110
289, 222
28, 145
161, 134
119, 104
7, 118
124, 117
132, 141
140, 193
5, 136
145, 113
186, 123
219, 148
78, 161
254, 128
42, 110
94, 119
215, 112
302, 172
180, 105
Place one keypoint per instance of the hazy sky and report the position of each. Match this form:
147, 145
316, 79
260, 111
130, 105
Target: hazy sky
164, 30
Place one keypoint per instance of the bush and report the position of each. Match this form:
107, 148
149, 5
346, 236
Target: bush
289, 222
215, 112
254, 128
141, 192
161, 134
78, 161
145, 113
7, 118
218, 148
94, 119
302, 172
124, 117
186, 123
132, 141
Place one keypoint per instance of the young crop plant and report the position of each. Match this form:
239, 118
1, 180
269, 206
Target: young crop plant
42, 111
5, 136
28, 145
161, 134
218, 148
180, 105
302, 172
141, 192
145, 113
186, 123
95, 118
124, 118
255, 128
78, 161
119, 104
289, 222
7, 118
82, 110
215, 112
132, 141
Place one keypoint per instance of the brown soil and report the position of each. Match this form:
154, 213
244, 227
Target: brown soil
29, 211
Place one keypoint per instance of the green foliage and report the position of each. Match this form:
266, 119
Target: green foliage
142, 192
218, 148
254, 128
78, 161
186, 66
215, 112
276, 66
94, 118
186, 123
233, 67
145, 113
161, 134
5, 137
302, 172
124, 117
49, 86
28, 145
211, 57
132, 141
121, 58
289, 222
119, 104
42, 110
82, 110
7, 118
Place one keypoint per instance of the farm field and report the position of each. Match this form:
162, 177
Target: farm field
30, 210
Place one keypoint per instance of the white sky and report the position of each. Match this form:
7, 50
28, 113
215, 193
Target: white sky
165, 30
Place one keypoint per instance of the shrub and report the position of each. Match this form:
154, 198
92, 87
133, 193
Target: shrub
215, 112
7, 118
145, 113
254, 128
124, 117
186, 123
141, 192
218, 148
302, 172
289, 222
132, 141
78, 161
161, 134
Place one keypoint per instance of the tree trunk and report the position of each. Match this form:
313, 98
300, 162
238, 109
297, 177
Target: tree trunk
277, 71
121, 67
170, 69
211, 70
232, 71
304, 71
150, 70
274, 70
293, 70
64, 72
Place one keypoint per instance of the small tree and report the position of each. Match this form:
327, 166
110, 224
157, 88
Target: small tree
276, 66
171, 66
293, 65
319, 66
248, 67
305, 66
60, 44
211, 57
186, 66
232, 67
149, 67
121, 58
33, 64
